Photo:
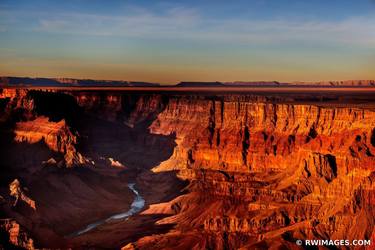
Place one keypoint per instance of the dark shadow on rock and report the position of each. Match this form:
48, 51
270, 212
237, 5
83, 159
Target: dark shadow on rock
56, 106
5, 242
63, 195
121, 233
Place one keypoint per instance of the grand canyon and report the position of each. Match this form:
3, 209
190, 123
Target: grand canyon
246, 165
187, 125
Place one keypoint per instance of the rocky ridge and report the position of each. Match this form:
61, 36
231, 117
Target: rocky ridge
56, 135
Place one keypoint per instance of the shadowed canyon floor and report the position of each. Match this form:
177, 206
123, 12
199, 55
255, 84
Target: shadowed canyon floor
216, 169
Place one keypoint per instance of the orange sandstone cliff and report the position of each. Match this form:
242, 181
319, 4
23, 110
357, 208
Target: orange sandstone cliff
56, 135
265, 174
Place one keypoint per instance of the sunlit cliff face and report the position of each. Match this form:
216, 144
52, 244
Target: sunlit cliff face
216, 171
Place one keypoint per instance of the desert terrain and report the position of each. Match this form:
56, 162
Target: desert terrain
235, 166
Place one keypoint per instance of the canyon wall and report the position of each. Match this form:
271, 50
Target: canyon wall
270, 173
257, 137
262, 172
47, 185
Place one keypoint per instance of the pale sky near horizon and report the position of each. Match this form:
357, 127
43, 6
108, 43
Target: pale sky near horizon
171, 41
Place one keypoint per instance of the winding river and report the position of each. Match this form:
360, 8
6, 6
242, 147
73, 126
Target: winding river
135, 207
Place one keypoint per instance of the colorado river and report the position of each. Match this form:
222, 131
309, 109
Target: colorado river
135, 207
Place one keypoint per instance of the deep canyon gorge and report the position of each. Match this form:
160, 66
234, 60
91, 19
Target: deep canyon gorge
216, 170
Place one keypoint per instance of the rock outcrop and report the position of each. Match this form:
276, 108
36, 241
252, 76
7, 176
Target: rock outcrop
16, 190
17, 237
56, 135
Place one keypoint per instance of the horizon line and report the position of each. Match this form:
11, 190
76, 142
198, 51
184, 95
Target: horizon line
187, 81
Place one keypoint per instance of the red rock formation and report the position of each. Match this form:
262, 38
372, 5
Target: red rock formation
17, 236
246, 137
15, 99
17, 191
56, 135
261, 174
261, 171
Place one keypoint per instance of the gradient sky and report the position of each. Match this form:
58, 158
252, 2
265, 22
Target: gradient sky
196, 40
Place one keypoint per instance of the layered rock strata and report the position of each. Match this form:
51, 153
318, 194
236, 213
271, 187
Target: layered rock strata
261, 173
265, 174
56, 135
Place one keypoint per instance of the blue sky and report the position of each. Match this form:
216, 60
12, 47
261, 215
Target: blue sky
170, 41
